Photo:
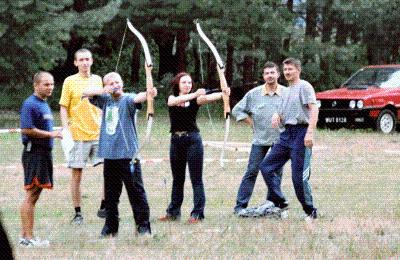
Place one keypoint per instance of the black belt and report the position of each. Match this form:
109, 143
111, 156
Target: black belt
297, 125
181, 133
29, 147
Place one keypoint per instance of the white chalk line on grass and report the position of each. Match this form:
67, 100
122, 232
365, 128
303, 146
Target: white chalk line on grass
144, 161
392, 151
230, 146
245, 147
18, 130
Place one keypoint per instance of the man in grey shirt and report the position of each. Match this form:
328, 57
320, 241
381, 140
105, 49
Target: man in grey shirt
299, 115
256, 109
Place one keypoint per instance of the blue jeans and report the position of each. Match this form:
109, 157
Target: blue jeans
187, 149
246, 187
290, 146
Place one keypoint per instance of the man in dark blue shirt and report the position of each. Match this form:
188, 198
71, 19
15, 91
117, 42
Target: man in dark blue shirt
37, 137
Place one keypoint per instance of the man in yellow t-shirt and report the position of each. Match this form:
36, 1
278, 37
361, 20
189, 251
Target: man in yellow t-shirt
83, 121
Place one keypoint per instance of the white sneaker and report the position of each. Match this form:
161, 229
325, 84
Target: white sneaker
268, 208
23, 242
262, 209
33, 242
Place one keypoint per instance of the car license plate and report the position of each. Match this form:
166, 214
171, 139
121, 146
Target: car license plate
335, 120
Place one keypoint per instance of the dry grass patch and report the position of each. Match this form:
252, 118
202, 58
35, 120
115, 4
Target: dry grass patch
355, 186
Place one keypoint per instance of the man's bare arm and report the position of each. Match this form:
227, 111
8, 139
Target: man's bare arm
312, 124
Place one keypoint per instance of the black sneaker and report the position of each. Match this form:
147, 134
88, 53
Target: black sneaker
107, 232
283, 205
312, 216
78, 219
144, 231
102, 213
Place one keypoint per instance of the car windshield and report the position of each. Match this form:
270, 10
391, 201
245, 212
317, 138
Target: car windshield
378, 77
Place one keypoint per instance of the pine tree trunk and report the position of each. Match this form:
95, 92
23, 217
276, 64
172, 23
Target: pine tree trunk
341, 33
286, 41
182, 39
327, 21
165, 43
196, 59
135, 62
248, 64
311, 19
395, 54
211, 71
79, 6
229, 63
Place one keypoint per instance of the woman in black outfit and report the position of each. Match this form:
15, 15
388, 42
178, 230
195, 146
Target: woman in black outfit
186, 145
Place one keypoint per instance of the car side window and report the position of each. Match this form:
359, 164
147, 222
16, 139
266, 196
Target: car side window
363, 77
391, 81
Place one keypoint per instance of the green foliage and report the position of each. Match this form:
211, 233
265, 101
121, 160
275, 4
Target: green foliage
34, 34
40, 35
13, 99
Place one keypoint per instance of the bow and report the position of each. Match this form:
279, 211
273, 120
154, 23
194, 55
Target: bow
224, 85
149, 81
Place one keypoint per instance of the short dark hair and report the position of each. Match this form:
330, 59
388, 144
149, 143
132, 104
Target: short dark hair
81, 51
39, 75
270, 64
175, 83
292, 61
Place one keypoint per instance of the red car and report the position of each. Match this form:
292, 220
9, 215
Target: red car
369, 98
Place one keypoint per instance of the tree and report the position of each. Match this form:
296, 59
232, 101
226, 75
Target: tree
380, 30
34, 33
169, 24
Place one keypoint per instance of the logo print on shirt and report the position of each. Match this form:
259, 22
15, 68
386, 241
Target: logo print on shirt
48, 117
112, 117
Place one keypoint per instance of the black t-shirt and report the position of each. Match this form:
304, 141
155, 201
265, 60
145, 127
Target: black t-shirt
184, 118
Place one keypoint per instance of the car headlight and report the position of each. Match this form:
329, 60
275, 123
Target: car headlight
360, 104
352, 104
318, 103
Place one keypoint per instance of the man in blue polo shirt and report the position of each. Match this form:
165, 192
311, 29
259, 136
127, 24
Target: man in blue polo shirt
298, 114
256, 109
37, 137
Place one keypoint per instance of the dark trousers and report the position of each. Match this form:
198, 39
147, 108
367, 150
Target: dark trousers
6, 250
187, 149
116, 173
257, 154
290, 146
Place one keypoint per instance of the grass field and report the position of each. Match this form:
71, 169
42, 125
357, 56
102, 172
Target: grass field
355, 182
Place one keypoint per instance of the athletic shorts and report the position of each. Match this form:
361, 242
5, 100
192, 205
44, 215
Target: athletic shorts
82, 153
38, 168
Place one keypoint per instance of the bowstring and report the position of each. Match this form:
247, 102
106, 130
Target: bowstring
116, 70
202, 82
120, 48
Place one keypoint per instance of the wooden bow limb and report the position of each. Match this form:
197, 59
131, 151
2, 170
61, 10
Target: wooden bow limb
224, 86
227, 112
149, 84
150, 102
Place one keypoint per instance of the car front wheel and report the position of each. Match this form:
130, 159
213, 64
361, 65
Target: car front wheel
386, 122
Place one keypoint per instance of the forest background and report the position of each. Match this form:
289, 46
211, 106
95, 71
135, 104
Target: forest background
333, 38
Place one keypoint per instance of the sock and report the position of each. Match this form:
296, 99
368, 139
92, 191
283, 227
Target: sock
103, 204
77, 210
